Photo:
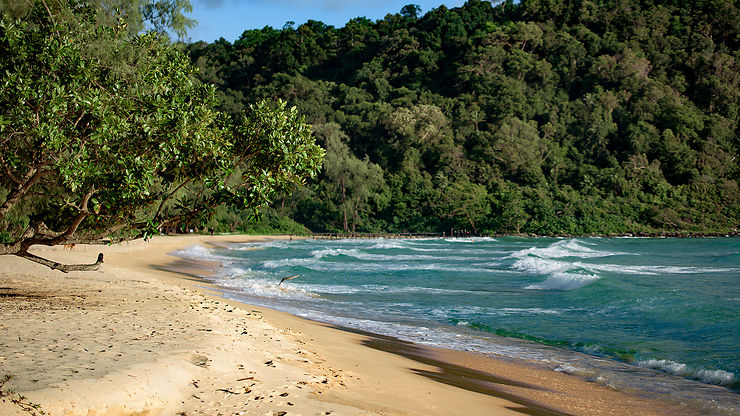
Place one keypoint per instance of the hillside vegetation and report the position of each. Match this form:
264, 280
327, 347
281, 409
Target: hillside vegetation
547, 117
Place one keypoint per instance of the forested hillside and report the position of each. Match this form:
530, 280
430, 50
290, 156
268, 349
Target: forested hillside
547, 117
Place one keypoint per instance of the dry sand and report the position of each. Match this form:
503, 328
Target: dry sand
135, 338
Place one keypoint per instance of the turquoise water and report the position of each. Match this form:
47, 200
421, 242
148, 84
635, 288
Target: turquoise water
655, 316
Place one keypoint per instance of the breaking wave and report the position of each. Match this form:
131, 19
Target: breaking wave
718, 377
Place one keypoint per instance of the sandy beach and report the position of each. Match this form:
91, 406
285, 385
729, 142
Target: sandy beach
145, 335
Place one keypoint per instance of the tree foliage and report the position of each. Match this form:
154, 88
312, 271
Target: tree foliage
134, 16
113, 146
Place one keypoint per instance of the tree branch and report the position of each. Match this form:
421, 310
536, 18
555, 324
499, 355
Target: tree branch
77, 220
51, 16
10, 174
161, 205
64, 236
65, 268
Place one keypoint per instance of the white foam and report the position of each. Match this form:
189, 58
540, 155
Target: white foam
565, 281
653, 270
469, 239
565, 248
529, 311
264, 287
316, 263
575, 370
345, 289
268, 244
561, 275
719, 377
541, 266
389, 244
456, 311
488, 264
564, 273
197, 252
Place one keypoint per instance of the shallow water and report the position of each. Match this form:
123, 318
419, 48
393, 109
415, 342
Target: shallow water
659, 317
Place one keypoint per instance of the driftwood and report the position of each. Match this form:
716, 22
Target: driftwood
65, 268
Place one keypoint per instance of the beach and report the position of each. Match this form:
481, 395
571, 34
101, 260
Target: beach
145, 335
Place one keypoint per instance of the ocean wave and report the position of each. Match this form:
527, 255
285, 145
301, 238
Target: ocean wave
267, 244
458, 314
328, 266
266, 288
201, 253
653, 270
361, 255
564, 281
387, 245
529, 311
406, 245
561, 275
491, 264
565, 248
346, 289
468, 239
576, 371
718, 377
565, 273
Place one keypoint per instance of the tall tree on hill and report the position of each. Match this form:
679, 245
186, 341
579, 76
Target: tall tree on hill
356, 180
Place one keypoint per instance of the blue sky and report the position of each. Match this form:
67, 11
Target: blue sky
229, 18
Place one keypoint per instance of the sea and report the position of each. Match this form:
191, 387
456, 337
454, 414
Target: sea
656, 317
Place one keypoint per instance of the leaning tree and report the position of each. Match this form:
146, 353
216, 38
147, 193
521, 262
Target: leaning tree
104, 136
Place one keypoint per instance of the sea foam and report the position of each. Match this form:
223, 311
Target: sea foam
566, 248
197, 253
719, 377
564, 281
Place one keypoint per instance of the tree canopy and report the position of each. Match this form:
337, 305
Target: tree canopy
106, 146
570, 117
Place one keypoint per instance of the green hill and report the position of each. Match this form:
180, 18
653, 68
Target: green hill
547, 117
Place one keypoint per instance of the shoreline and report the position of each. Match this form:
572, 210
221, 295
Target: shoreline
348, 371
468, 370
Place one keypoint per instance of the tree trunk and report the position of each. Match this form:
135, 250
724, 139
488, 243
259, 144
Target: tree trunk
64, 268
471, 222
39, 234
344, 205
355, 214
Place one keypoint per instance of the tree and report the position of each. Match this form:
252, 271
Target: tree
411, 11
96, 153
356, 179
466, 203
513, 214
136, 15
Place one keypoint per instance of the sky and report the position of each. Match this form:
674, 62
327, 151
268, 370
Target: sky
230, 18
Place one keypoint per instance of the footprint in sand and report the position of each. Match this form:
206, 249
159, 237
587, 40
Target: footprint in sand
199, 360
